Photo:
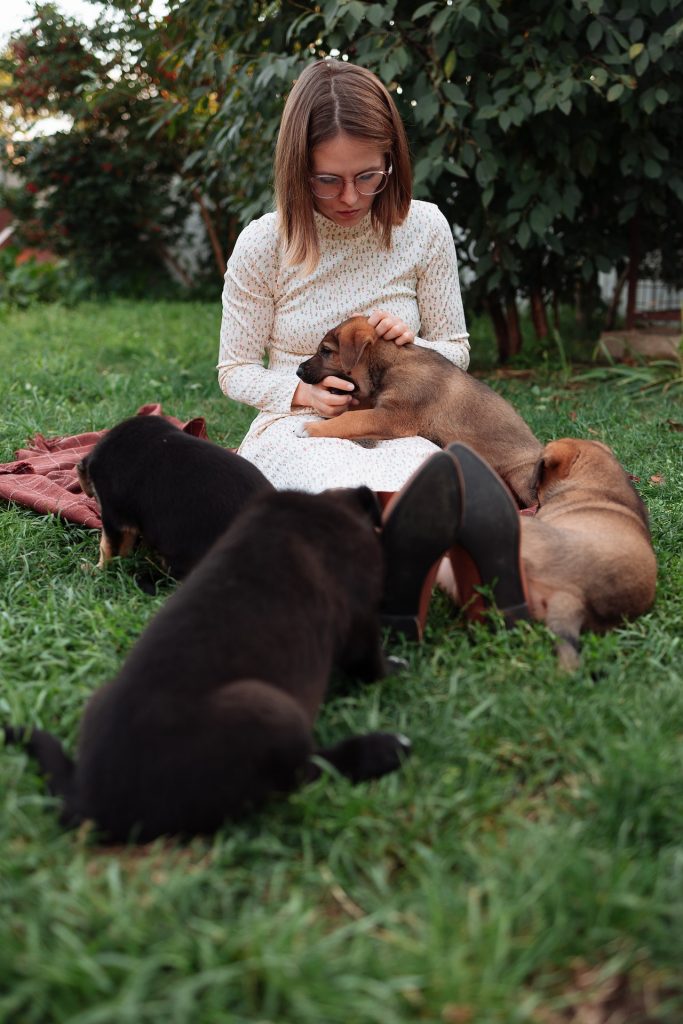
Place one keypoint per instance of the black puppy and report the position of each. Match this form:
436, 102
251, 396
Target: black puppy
178, 492
213, 709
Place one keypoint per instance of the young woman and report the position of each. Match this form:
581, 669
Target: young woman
346, 238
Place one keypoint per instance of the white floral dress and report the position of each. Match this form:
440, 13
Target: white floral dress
270, 311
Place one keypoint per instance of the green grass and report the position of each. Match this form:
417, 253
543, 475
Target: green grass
535, 835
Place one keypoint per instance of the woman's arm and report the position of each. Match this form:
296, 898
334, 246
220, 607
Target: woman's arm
246, 327
442, 319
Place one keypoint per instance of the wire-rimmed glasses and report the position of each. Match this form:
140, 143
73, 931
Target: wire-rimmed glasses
367, 183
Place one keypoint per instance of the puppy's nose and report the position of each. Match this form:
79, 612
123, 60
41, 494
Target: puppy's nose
301, 372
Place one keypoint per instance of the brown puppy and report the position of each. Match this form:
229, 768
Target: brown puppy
213, 709
408, 391
587, 554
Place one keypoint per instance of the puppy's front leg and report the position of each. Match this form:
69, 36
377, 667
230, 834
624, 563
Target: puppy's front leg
374, 424
115, 542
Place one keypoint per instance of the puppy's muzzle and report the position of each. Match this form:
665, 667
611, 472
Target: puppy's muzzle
311, 372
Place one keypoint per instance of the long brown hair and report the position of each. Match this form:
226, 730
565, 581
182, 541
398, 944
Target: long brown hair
329, 98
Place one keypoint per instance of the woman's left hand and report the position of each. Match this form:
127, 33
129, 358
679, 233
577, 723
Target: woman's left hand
390, 327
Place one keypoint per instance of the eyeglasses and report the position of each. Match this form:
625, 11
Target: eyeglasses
367, 183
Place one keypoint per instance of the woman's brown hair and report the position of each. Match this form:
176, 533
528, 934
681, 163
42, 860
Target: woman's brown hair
329, 98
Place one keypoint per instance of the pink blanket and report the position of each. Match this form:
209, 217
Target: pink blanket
43, 476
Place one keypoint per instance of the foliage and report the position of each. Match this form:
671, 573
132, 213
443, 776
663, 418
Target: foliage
96, 192
533, 841
23, 282
547, 139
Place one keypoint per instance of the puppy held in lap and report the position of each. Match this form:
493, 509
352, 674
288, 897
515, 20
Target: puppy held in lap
411, 391
213, 710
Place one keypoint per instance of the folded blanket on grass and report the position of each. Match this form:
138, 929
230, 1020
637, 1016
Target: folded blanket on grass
43, 477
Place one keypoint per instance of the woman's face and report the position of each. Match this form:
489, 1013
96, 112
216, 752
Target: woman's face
346, 157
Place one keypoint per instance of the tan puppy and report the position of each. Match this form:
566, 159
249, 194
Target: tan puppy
408, 391
587, 554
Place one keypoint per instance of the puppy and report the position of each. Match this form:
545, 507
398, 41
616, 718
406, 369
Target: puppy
176, 491
586, 554
213, 709
408, 390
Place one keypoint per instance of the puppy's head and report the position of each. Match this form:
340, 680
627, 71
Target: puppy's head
84, 478
360, 500
343, 352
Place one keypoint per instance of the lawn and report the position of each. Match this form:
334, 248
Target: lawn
526, 865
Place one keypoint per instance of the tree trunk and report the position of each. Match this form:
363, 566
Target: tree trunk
614, 302
633, 264
211, 232
514, 330
505, 324
538, 314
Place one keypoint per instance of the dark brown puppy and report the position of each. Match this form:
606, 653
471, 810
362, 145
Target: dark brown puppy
408, 390
178, 492
213, 709
586, 554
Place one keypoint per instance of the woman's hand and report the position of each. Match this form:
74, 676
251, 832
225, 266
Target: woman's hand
319, 397
390, 327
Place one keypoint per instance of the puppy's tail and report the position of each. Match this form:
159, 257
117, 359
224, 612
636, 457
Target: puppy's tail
54, 764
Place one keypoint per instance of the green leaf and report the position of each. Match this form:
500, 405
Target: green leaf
662, 96
524, 234
652, 168
473, 15
377, 15
614, 92
440, 20
594, 34
425, 9
636, 29
449, 63
635, 50
454, 168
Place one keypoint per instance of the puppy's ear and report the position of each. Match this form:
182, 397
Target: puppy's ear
369, 504
352, 344
558, 458
361, 499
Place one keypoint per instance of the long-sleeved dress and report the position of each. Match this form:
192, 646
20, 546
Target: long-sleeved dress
271, 312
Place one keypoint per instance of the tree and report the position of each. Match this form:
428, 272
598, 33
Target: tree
546, 137
96, 192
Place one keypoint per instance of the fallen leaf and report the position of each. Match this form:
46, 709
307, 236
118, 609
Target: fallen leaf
591, 431
656, 479
459, 1014
675, 425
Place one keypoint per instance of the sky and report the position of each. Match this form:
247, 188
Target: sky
13, 13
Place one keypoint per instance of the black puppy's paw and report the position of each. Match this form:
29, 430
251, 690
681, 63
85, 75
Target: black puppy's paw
394, 665
369, 756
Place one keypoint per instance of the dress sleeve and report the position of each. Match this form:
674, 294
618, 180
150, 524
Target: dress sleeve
247, 323
442, 319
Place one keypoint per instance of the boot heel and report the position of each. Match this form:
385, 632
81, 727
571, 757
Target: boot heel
419, 525
487, 550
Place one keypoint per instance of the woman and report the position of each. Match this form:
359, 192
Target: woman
346, 238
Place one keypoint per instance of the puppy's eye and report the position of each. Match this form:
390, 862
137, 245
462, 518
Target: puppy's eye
325, 351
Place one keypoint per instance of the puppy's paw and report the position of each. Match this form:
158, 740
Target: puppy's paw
394, 665
369, 756
301, 430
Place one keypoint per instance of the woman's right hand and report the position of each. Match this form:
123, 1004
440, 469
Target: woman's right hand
319, 397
